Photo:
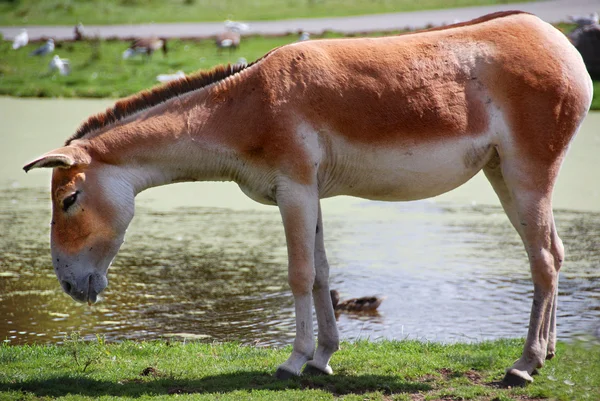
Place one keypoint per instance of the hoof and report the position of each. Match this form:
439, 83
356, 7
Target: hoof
550, 355
284, 374
516, 378
312, 370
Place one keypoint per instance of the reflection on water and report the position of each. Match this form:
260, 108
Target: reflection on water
449, 273
217, 271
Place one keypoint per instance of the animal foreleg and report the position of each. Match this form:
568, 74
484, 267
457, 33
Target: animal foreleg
298, 205
328, 334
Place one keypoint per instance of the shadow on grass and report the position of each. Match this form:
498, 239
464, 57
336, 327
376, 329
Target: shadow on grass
252, 380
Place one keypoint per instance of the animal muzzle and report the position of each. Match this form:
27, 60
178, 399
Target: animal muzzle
86, 288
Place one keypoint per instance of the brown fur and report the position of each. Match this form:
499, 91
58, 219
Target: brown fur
92, 225
394, 118
385, 92
402, 89
429, 98
152, 97
162, 93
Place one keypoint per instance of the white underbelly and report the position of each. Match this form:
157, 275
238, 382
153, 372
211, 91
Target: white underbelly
401, 173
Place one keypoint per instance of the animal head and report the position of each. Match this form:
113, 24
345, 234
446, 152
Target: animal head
91, 209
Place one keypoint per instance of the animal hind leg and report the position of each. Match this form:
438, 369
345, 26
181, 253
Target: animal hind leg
328, 337
525, 192
551, 351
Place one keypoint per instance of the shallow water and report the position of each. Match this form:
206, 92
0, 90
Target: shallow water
202, 261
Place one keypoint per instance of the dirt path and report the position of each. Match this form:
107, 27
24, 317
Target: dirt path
551, 11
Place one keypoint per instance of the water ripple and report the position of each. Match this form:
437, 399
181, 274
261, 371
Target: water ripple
449, 273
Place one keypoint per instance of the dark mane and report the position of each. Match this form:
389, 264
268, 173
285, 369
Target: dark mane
152, 97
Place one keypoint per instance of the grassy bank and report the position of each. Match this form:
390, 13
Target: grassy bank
61, 12
98, 69
399, 370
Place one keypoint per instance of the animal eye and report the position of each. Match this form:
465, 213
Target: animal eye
69, 200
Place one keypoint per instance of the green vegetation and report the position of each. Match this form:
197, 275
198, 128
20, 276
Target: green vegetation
596, 99
98, 69
69, 12
397, 370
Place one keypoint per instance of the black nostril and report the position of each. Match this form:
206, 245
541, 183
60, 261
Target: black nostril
67, 286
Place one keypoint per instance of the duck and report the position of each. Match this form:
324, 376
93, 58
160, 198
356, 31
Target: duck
146, 46
227, 40
46, 48
363, 304
62, 65
21, 39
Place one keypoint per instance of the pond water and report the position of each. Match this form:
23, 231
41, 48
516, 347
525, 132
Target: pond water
202, 261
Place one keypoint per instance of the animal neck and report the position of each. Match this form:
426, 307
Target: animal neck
176, 141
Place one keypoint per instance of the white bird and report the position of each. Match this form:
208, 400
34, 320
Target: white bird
242, 62
46, 48
304, 36
129, 53
62, 65
170, 77
21, 39
79, 32
226, 42
235, 26
591, 19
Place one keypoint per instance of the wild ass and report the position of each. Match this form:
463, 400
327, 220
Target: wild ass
395, 118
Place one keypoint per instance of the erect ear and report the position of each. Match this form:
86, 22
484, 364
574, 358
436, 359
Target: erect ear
64, 157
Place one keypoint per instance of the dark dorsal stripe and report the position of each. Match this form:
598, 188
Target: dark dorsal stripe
152, 97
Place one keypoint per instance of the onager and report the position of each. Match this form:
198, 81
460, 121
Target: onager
394, 118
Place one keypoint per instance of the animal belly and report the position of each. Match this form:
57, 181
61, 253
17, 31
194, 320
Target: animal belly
404, 172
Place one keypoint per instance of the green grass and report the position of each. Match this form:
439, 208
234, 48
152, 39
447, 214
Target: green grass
596, 99
69, 12
99, 71
389, 370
